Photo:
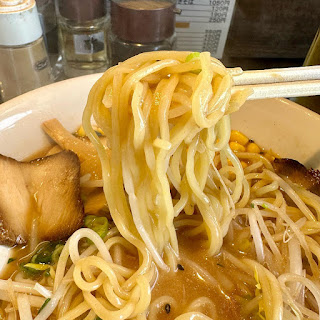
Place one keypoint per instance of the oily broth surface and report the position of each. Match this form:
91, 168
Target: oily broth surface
18, 253
184, 286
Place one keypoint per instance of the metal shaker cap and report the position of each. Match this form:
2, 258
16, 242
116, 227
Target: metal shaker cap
143, 21
82, 10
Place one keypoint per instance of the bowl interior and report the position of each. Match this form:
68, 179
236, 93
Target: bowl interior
287, 128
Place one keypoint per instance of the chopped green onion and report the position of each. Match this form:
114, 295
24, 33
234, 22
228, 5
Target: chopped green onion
30, 272
44, 304
48, 254
42, 261
38, 267
98, 224
47, 273
11, 260
97, 318
264, 206
252, 205
35, 271
56, 253
192, 56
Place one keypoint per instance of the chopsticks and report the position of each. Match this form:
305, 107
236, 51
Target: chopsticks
275, 83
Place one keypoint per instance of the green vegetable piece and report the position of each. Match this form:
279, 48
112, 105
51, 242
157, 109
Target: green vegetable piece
192, 56
30, 272
251, 205
44, 304
264, 206
48, 254
56, 253
97, 318
11, 260
98, 224
39, 265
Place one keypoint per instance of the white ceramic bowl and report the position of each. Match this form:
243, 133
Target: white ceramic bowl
289, 129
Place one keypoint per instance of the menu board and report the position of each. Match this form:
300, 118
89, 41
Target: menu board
203, 25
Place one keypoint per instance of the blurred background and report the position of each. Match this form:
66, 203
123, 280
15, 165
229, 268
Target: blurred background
80, 37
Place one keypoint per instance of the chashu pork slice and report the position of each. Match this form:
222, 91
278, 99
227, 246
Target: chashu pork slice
40, 198
298, 173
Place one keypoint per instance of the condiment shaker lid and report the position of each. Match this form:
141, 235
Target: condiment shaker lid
142, 21
82, 10
19, 22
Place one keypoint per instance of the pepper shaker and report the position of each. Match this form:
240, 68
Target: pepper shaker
24, 63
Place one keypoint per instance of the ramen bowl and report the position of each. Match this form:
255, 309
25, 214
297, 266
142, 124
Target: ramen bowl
278, 124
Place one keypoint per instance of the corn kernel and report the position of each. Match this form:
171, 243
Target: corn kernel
239, 137
244, 164
235, 146
81, 132
268, 156
253, 148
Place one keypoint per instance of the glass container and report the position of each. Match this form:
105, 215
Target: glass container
24, 62
82, 30
47, 14
140, 25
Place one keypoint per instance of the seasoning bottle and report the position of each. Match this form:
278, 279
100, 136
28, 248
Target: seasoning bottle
82, 31
24, 63
140, 25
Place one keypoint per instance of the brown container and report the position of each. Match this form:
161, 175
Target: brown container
143, 21
82, 10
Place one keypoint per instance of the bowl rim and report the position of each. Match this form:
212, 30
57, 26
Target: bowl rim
15, 101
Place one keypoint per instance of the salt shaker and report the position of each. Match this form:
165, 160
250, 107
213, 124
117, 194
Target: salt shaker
82, 30
24, 63
140, 25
